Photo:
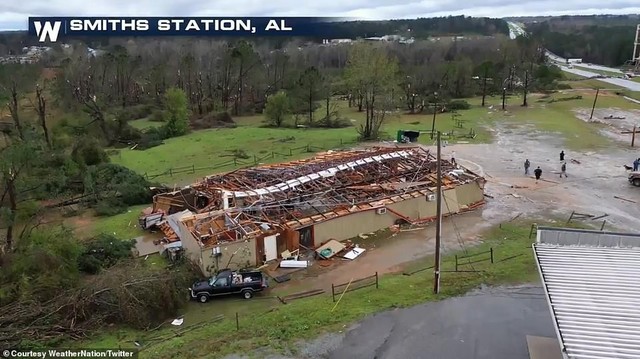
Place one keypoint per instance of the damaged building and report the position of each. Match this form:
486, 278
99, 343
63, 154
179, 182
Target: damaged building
247, 217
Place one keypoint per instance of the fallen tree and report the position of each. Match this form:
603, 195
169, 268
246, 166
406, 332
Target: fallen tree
128, 294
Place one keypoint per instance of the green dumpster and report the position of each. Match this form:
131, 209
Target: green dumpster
400, 135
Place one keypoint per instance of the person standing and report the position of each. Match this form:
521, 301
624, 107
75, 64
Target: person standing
527, 164
636, 163
563, 170
538, 173
562, 155
453, 158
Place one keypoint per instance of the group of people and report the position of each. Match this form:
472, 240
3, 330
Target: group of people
563, 169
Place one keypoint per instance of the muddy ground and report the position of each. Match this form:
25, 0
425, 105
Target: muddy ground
591, 187
611, 122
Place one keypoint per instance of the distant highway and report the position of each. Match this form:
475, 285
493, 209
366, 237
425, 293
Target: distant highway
517, 30
627, 84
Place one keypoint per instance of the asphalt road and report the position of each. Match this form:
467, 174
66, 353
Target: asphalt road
629, 85
490, 324
583, 71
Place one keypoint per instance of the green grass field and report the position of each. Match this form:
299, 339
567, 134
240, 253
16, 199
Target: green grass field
307, 318
200, 153
207, 148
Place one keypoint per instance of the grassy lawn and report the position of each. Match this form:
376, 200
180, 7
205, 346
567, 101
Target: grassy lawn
206, 149
123, 225
306, 318
579, 135
144, 123
209, 151
586, 83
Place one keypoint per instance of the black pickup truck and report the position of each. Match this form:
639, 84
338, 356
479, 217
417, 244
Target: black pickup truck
229, 282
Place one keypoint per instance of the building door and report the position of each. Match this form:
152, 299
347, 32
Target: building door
270, 248
306, 237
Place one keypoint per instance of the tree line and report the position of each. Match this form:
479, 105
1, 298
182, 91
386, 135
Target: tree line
596, 39
11, 43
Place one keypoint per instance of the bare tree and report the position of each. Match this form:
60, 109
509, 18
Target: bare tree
41, 110
14, 108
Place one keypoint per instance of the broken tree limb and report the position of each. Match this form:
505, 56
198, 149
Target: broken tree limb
624, 199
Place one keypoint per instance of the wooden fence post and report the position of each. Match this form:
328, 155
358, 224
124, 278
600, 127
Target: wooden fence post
491, 249
333, 293
603, 223
255, 159
237, 322
456, 262
377, 280
531, 231
170, 172
235, 161
193, 168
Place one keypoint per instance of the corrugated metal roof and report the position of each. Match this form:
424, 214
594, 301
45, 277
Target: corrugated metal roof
593, 291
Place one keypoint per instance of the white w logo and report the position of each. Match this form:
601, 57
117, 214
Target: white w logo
49, 30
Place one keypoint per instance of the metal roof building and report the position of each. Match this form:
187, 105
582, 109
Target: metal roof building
592, 284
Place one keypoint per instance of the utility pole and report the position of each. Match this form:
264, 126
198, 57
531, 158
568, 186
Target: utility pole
435, 110
593, 108
484, 83
526, 84
436, 272
504, 96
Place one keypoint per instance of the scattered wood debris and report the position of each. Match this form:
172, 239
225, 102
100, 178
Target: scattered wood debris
576, 215
624, 199
599, 217
300, 295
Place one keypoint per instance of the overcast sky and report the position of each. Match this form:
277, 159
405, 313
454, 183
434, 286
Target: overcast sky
14, 13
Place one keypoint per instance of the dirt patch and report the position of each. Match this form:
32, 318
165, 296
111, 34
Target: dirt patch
589, 188
611, 121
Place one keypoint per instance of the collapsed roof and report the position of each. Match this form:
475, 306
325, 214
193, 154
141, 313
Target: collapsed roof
298, 193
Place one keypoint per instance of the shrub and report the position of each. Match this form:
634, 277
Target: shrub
88, 152
103, 252
157, 116
110, 207
458, 105
134, 112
